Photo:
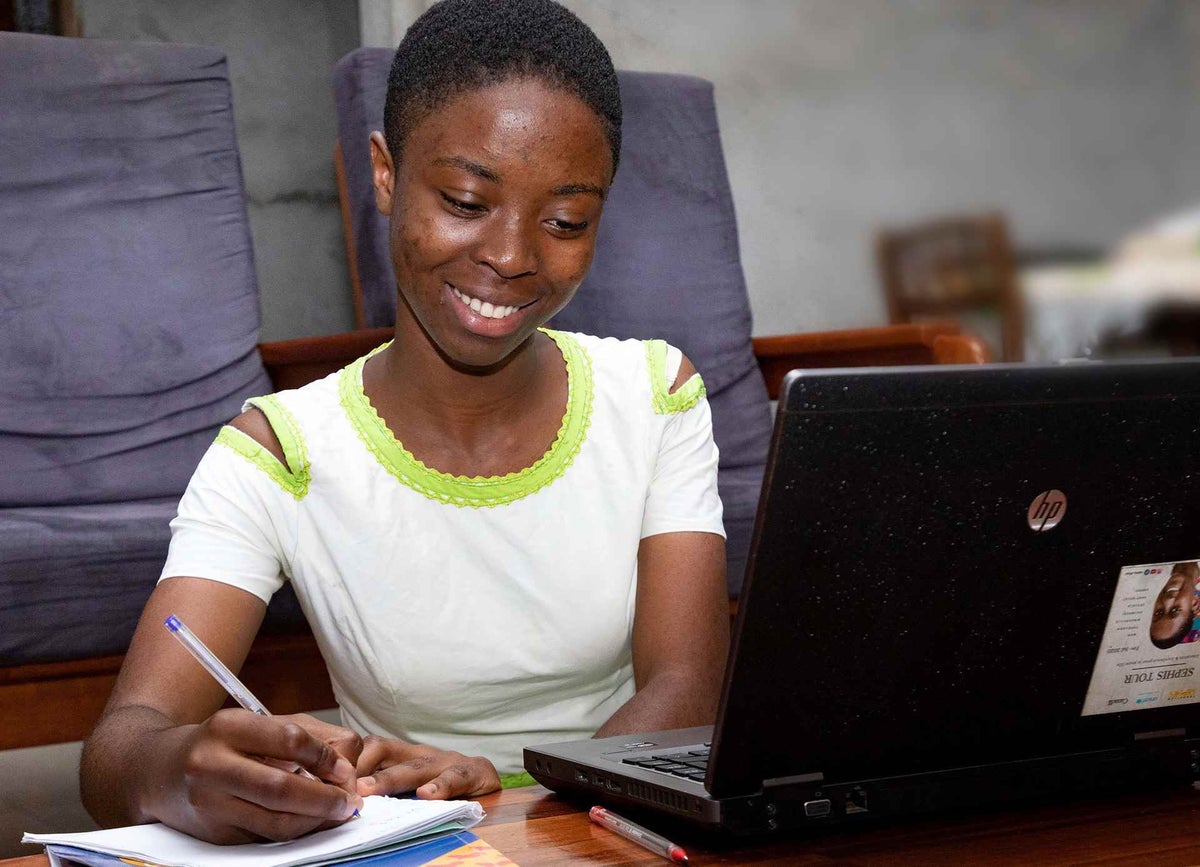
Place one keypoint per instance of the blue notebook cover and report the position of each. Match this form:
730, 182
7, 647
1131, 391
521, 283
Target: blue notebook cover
412, 856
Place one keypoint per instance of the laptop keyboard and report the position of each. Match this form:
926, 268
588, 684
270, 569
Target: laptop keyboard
691, 764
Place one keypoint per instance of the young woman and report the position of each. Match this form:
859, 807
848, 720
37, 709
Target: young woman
501, 535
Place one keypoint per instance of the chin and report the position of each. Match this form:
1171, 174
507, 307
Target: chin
481, 354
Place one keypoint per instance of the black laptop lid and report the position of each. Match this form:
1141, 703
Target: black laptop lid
901, 615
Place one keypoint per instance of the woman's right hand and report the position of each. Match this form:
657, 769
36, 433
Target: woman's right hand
226, 780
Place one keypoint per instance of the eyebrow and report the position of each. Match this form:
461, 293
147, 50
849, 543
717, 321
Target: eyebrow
487, 174
573, 189
469, 166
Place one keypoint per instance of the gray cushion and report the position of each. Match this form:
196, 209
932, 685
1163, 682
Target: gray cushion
75, 578
128, 303
666, 262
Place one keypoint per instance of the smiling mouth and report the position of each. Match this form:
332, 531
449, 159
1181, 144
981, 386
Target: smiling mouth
486, 308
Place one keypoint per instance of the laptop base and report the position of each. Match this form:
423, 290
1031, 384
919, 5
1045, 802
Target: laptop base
812, 804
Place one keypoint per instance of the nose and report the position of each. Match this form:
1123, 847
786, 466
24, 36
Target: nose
509, 246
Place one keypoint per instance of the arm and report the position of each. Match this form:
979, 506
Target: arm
681, 619
680, 634
162, 750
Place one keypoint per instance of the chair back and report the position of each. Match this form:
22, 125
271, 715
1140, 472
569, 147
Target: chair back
128, 301
666, 264
953, 266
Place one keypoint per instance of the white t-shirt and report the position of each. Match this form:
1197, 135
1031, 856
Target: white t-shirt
480, 615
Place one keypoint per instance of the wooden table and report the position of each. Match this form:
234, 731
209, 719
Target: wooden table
534, 827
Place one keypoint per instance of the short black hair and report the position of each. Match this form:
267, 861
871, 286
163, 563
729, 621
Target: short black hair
461, 45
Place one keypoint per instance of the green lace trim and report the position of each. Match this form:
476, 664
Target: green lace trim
516, 781
665, 401
294, 483
476, 491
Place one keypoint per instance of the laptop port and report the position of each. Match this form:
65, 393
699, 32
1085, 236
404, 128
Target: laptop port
856, 801
816, 809
614, 786
581, 776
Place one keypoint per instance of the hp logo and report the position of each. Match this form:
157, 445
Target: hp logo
1046, 510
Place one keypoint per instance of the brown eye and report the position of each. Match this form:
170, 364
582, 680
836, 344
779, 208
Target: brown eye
461, 207
563, 227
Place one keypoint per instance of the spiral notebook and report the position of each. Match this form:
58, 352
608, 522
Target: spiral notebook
385, 825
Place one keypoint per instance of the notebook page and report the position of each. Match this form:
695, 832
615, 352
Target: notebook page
383, 820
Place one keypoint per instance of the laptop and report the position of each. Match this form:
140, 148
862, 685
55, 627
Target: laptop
966, 586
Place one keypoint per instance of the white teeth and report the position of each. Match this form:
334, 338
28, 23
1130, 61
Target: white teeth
485, 308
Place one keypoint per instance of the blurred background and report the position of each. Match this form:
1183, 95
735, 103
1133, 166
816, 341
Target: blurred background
1074, 122
1029, 166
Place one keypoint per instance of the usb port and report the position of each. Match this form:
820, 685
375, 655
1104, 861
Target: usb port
581, 776
614, 786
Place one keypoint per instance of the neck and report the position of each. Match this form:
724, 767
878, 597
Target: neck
415, 374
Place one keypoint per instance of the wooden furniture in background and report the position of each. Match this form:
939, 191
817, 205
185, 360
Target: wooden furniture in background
58, 702
920, 343
949, 266
294, 362
531, 826
52, 17
61, 701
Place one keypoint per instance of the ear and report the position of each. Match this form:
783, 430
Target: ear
383, 174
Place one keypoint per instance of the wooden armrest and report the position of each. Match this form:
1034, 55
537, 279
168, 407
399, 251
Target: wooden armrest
56, 702
960, 349
909, 343
297, 362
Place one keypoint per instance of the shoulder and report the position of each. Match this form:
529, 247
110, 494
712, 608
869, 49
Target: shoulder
654, 369
253, 423
270, 433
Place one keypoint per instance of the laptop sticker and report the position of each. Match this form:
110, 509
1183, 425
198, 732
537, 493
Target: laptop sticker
1150, 654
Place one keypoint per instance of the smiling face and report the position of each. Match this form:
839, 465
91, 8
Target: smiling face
1174, 607
494, 207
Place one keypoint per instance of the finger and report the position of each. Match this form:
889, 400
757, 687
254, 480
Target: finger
350, 785
278, 739
400, 778
261, 823
346, 741
380, 752
284, 792
465, 777
227, 820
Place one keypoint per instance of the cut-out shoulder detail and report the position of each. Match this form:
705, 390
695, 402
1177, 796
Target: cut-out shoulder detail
671, 394
253, 423
267, 436
686, 371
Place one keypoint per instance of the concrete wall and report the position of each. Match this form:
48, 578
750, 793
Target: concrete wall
1080, 118
281, 54
1077, 117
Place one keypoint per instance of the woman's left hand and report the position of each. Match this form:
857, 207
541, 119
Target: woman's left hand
389, 767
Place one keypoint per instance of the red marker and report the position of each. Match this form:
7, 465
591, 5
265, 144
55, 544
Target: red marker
645, 838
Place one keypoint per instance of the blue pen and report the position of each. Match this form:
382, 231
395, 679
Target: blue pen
236, 689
